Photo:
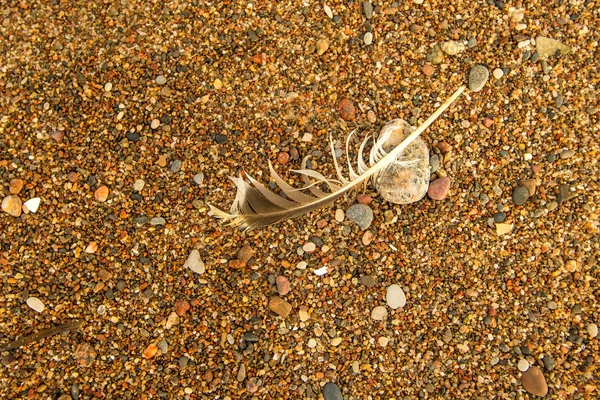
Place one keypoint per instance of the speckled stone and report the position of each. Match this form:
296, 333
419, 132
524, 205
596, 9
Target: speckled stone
360, 214
478, 77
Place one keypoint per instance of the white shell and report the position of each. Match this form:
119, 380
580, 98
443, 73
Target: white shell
31, 205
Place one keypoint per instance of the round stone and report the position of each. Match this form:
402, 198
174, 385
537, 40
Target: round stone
339, 215
155, 123
161, 80
534, 382
12, 205
309, 247
138, 185
395, 297
438, 189
101, 194
368, 38
498, 73
360, 214
35, 304
523, 365
331, 391
379, 313
283, 285
346, 109
312, 343
15, 186
108, 87
199, 178
321, 46
478, 77
592, 330
520, 195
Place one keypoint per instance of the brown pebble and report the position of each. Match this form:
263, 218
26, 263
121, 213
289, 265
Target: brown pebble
15, 186
91, 248
438, 189
371, 117
150, 351
245, 253
428, 69
322, 223
259, 58
363, 198
283, 158
57, 136
101, 193
530, 185
252, 385
346, 109
237, 264
72, 176
85, 354
367, 238
283, 285
104, 275
280, 306
162, 161
12, 205
444, 147
181, 307
487, 122
534, 381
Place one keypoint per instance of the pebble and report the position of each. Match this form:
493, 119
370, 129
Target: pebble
478, 77
534, 382
498, 73
438, 189
487, 122
336, 341
523, 365
530, 185
549, 362
520, 195
435, 55
371, 117
57, 135
172, 320
15, 186
309, 247
503, 229
383, 341
138, 185
339, 215
101, 194
217, 84
428, 69
592, 330
328, 11
12, 205
241, 375
280, 306
331, 391
379, 313
303, 315
35, 304
199, 178
181, 306
301, 265
360, 214
368, 9
322, 46
155, 124
547, 47
283, 285
368, 281
161, 80
363, 198
312, 343
31, 205
133, 136
85, 354
108, 87
368, 38
346, 109
452, 47
91, 248
395, 297
566, 154
157, 221
283, 157
194, 262
500, 217
150, 351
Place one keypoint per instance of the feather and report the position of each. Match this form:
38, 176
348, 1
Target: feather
255, 205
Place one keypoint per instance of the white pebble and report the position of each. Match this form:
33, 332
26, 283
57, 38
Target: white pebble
321, 271
395, 297
523, 365
31, 205
379, 313
328, 11
36, 304
383, 341
138, 185
312, 343
592, 330
199, 178
107, 87
161, 80
518, 16
520, 27
309, 247
155, 124
301, 265
194, 262
339, 215
368, 38
498, 73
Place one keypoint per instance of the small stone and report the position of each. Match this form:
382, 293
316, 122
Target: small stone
312, 343
438, 189
163, 346
339, 215
498, 73
592, 330
379, 313
252, 385
85, 354
57, 135
428, 69
175, 166
162, 161
444, 147
520, 195
452, 47
15, 186
280, 306
31, 205
236, 264
101, 194
500, 217
157, 221
217, 84
181, 306
487, 122
91, 248
478, 77
260, 58
395, 297
241, 375
150, 351
523, 365
549, 362
563, 154
301, 265
108, 87
35, 304
368, 38
368, 281
363, 198
534, 382
283, 158
309, 247
283, 285
303, 315
564, 193
172, 320
530, 185
346, 109
194, 262
321, 46
138, 185
547, 47
360, 214
367, 238
12, 205
220, 139
161, 80
155, 123
435, 55
133, 136
199, 178
383, 341
328, 11
368, 9
503, 229
336, 341
371, 117
331, 391
552, 205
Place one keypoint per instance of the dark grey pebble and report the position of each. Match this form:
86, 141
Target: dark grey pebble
250, 337
75, 391
500, 217
564, 193
133, 136
331, 391
551, 157
549, 362
520, 195
220, 139
141, 220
